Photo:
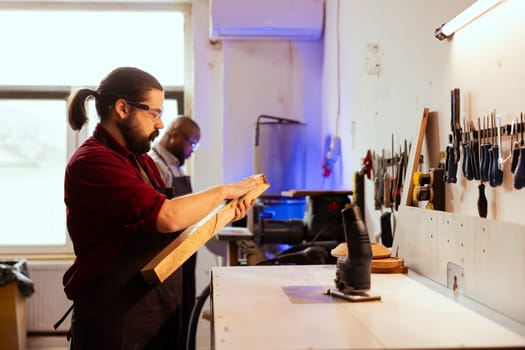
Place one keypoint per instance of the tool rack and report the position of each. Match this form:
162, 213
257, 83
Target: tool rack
479, 258
505, 130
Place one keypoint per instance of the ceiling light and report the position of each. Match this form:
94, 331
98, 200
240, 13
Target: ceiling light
471, 13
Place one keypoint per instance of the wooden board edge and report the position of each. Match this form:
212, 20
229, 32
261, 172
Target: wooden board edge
194, 237
400, 269
413, 161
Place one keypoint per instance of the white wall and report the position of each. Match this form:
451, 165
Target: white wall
239, 80
272, 77
417, 71
234, 83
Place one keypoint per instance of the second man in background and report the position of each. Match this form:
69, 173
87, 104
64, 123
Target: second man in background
177, 144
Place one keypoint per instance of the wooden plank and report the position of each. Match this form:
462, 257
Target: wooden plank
413, 162
399, 269
195, 236
379, 251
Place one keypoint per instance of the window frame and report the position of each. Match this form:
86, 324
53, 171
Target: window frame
62, 92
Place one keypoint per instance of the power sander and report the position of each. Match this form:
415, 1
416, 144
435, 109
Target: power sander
353, 271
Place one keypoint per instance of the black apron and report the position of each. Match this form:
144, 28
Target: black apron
181, 185
125, 312
122, 311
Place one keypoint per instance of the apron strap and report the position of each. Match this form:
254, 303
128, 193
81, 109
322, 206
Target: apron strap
61, 320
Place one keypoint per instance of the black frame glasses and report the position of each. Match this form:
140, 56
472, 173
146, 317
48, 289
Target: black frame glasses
194, 144
145, 107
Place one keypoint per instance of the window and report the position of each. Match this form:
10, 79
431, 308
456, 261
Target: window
40, 65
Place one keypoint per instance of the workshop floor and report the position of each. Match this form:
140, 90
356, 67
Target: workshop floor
59, 342
47, 342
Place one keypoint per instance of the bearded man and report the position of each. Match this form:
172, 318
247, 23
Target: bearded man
118, 219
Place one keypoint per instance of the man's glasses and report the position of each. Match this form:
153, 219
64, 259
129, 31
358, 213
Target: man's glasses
194, 144
156, 113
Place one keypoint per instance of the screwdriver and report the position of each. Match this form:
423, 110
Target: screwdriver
515, 148
468, 166
388, 180
482, 199
399, 182
484, 153
497, 171
451, 166
387, 189
377, 180
519, 173
492, 158
474, 148
464, 164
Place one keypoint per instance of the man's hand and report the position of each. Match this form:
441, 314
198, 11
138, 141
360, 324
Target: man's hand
243, 206
237, 190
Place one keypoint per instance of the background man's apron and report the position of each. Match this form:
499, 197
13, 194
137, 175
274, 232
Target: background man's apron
181, 185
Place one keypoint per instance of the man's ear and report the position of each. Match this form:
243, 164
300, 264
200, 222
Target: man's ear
174, 133
121, 108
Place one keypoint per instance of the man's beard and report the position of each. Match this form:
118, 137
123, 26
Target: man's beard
177, 149
135, 142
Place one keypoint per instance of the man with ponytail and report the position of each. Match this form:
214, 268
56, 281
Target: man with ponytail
118, 219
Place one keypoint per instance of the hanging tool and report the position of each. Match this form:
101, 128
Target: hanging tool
415, 157
464, 164
386, 218
519, 173
367, 165
482, 199
515, 147
424, 193
468, 159
474, 148
452, 150
382, 179
387, 186
496, 177
377, 199
457, 124
484, 152
451, 166
491, 151
399, 181
430, 187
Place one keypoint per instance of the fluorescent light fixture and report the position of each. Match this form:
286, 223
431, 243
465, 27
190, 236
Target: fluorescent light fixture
471, 13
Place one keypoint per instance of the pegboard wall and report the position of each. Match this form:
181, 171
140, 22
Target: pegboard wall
484, 258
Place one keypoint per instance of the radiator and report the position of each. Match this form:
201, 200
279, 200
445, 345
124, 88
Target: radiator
47, 305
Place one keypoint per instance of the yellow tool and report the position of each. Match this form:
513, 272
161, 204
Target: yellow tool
430, 187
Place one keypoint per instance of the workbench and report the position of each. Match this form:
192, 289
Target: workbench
286, 307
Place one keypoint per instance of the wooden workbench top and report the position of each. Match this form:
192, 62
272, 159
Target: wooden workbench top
284, 307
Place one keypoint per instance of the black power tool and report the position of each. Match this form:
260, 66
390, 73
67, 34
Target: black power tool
353, 271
